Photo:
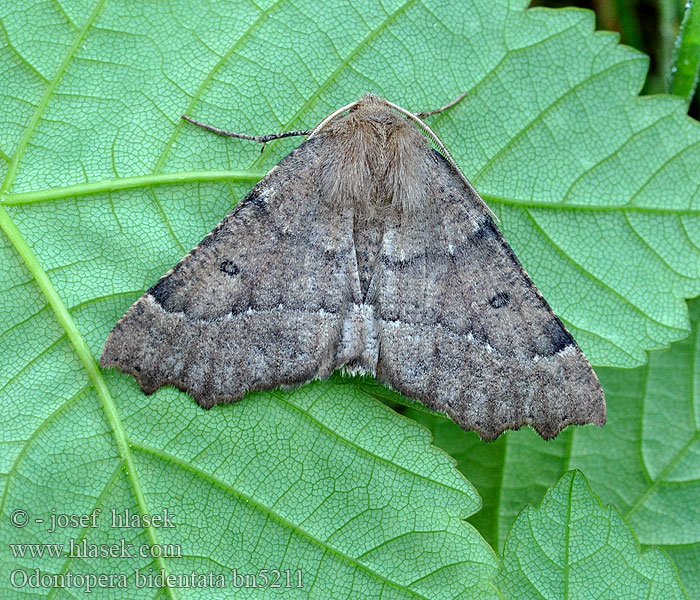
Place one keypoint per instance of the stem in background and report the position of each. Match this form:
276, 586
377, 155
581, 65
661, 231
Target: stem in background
683, 76
668, 29
605, 14
630, 26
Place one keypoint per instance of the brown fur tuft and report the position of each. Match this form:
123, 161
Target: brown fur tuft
378, 159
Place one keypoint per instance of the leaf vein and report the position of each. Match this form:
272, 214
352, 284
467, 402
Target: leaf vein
539, 117
48, 92
591, 275
208, 79
362, 449
364, 42
268, 512
30, 440
64, 318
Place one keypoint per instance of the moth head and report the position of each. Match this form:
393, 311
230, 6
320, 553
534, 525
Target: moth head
376, 159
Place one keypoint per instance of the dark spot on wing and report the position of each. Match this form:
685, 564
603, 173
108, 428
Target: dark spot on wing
559, 337
229, 267
254, 199
161, 291
486, 229
500, 300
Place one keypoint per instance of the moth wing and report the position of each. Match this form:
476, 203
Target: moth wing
240, 312
462, 327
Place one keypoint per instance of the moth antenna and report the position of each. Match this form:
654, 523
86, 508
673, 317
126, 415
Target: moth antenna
426, 113
416, 117
261, 139
445, 152
330, 117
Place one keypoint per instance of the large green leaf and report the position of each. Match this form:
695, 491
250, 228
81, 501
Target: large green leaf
104, 188
325, 480
644, 461
573, 547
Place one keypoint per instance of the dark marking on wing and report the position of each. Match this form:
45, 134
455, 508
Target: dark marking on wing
161, 291
487, 230
500, 300
229, 267
559, 337
255, 200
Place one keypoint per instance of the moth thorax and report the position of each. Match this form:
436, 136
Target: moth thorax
378, 162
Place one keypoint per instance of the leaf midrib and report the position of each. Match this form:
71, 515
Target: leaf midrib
99, 503
114, 184
108, 185
86, 358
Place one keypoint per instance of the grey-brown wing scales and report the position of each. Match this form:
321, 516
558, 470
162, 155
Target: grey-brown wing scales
462, 327
240, 312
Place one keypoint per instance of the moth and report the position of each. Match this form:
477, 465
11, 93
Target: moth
364, 250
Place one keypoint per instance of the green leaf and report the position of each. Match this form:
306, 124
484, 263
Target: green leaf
574, 547
644, 461
325, 480
648, 464
104, 188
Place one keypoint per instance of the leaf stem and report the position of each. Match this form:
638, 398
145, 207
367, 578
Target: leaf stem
683, 77
667, 29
